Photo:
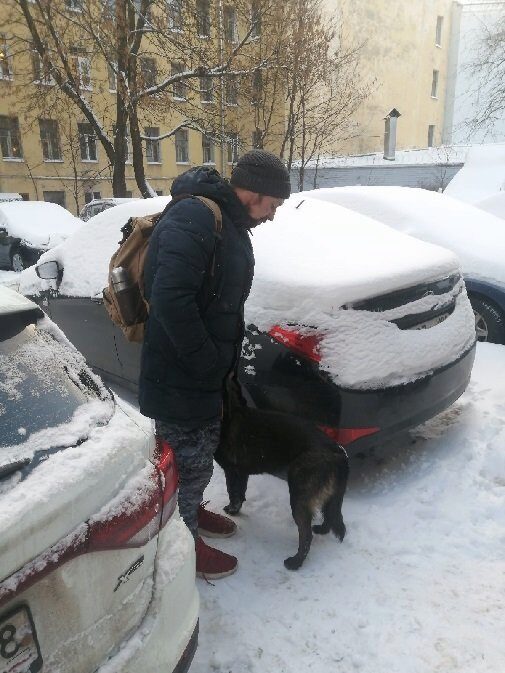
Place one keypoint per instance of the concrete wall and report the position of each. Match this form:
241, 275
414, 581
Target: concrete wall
427, 176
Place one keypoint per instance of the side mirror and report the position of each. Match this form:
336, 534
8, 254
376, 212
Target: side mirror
49, 271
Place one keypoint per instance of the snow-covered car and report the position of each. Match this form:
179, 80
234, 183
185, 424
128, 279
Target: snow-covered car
99, 205
29, 228
97, 570
482, 175
494, 204
350, 324
477, 238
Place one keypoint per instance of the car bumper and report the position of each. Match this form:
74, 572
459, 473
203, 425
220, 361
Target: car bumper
355, 418
167, 638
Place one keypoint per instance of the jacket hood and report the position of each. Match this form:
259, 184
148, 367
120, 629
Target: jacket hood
206, 181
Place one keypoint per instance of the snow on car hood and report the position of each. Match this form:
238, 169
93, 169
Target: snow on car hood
37, 223
476, 237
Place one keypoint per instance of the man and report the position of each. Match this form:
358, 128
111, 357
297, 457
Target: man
196, 284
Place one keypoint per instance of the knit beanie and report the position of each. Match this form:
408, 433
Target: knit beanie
261, 172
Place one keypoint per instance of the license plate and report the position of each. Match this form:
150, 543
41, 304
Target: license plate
19, 648
432, 322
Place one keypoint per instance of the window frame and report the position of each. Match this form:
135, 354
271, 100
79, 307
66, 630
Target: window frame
203, 10
87, 140
38, 68
148, 73
434, 83
208, 146
180, 87
438, 31
6, 60
153, 145
232, 146
53, 142
181, 134
209, 90
431, 135
175, 19
231, 87
13, 128
230, 24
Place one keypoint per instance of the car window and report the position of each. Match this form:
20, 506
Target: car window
43, 381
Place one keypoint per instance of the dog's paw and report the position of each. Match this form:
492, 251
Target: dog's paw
340, 532
321, 529
292, 563
233, 509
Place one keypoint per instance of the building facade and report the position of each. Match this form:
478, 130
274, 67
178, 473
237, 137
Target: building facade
50, 151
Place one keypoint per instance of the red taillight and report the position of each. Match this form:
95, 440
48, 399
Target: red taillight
165, 462
303, 344
346, 436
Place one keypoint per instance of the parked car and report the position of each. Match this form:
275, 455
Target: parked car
477, 237
96, 565
494, 204
358, 328
29, 228
99, 205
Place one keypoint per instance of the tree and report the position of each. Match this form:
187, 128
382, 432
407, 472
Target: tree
487, 70
320, 76
154, 53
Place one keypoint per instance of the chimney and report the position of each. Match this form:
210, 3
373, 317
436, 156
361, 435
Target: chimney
390, 134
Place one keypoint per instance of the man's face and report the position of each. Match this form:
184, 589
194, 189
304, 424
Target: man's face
262, 208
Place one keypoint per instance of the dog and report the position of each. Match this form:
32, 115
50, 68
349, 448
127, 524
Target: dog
254, 441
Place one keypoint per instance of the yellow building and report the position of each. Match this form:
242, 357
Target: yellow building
49, 150
405, 50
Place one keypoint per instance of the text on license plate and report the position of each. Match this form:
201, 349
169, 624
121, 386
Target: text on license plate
19, 649
432, 322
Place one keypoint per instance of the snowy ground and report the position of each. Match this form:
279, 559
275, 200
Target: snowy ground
417, 585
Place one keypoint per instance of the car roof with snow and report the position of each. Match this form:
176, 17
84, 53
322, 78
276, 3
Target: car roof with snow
37, 222
476, 237
13, 302
313, 247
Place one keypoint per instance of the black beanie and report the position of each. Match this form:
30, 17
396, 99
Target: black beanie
262, 172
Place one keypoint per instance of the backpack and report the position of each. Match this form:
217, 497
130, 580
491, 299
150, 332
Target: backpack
124, 297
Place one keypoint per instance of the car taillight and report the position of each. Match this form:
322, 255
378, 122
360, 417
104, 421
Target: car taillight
346, 436
164, 459
303, 344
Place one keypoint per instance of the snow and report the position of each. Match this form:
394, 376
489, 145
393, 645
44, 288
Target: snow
417, 585
478, 238
86, 255
494, 204
12, 302
39, 224
482, 175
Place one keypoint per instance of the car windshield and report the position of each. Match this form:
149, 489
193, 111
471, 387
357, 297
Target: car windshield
43, 381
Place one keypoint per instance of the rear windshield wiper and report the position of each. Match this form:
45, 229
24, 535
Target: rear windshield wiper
7, 470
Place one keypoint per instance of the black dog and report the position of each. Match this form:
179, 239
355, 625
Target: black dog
255, 441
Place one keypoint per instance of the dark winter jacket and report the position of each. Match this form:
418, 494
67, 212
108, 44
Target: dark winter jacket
195, 327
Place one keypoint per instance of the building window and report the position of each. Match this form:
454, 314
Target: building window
232, 146
82, 67
25, 196
206, 90
257, 140
182, 146
230, 24
41, 74
257, 86
178, 88
231, 90
434, 84
50, 139
438, 34
431, 134
87, 142
92, 196
174, 8
55, 197
153, 150
10, 139
112, 75
159, 192
203, 18
74, 5
255, 19
148, 71
128, 150
5, 59
147, 15
208, 150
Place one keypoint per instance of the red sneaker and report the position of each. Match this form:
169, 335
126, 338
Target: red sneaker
212, 564
211, 524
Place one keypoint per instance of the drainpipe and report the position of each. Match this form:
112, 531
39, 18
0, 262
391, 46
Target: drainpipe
221, 82
390, 134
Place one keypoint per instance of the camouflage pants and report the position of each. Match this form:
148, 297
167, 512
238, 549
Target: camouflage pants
194, 451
